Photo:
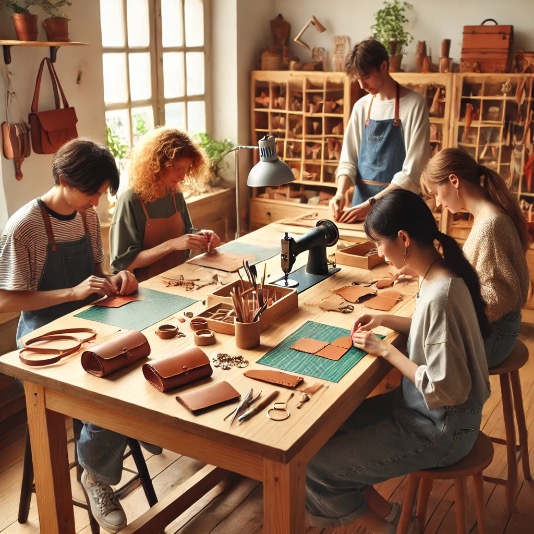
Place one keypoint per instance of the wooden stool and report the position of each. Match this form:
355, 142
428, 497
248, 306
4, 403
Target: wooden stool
471, 466
512, 401
143, 476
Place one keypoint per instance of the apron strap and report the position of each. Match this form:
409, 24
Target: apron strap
48, 226
368, 118
396, 119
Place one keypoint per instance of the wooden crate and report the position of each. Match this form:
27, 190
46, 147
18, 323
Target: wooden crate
486, 48
359, 255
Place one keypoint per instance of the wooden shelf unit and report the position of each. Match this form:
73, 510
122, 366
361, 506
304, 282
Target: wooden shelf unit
53, 45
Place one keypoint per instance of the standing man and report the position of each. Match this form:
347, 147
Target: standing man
51, 264
386, 143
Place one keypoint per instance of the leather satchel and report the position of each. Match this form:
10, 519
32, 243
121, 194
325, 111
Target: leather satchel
116, 353
178, 370
51, 129
16, 144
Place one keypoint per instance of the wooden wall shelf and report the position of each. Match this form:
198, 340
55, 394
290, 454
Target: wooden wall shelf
53, 45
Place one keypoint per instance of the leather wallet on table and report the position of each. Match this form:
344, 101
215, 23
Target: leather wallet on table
275, 377
205, 397
116, 353
182, 368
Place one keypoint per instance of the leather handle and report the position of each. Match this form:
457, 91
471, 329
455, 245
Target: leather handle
489, 20
56, 86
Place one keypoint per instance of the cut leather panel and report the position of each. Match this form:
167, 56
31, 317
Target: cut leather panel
309, 345
332, 352
384, 301
208, 396
384, 282
274, 377
354, 293
343, 342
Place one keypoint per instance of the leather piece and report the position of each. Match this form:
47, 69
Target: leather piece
332, 352
208, 396
384, 301
332, 303
115, 301
204, 337
309, 345
182, 368
167, 331
275, 377
382, 283
344, 342
354, 293
116, 353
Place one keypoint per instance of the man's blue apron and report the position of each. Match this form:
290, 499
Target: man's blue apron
67, 264
381, 156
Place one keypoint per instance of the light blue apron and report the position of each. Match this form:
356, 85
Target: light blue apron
382, 154
67, 264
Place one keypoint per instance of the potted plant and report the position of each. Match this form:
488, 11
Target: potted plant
214, 150
25, 22
56, 24
389, 29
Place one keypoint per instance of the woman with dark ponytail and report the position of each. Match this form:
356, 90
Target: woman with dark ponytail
496, 245
433, 419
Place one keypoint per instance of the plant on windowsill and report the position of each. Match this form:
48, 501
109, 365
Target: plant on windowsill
389, 30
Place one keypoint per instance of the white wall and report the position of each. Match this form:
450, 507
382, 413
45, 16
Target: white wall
79, 69
430, 21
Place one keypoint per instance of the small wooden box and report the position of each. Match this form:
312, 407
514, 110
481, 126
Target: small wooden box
222, 326
486, 48
284, 300
359, 255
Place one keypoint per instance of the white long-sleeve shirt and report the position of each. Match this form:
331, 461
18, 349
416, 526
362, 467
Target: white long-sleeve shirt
413, 114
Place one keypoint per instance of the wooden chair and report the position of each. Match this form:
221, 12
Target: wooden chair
512, 402
142, 476
471, 466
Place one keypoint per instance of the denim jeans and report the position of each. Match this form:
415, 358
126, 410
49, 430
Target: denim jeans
100, 452
501, 341
379, 441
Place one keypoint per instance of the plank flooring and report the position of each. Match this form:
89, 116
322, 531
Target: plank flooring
235, 505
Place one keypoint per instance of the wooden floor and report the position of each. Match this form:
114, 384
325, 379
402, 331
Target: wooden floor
236, 504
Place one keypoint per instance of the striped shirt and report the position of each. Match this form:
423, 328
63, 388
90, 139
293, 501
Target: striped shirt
23, 245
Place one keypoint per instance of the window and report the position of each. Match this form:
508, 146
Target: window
154, 67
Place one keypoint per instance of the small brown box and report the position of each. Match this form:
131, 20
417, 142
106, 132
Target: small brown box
359, 255
284, 300
215, 317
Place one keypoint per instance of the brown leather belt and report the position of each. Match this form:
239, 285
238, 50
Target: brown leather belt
54, 335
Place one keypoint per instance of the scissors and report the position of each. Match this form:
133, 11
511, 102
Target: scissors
347, 308
246, 403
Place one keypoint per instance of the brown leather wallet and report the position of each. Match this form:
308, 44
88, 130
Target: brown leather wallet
275, 377
208, 396
183, 368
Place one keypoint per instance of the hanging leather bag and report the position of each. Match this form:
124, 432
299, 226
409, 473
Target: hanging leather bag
51, 129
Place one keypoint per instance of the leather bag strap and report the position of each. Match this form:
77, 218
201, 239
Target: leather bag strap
55, 354
56, 86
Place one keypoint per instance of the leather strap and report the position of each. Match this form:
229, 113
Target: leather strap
167, 331
54, 335
198, 323
56, 86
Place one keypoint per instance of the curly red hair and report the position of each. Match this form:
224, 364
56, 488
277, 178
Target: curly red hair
157, 150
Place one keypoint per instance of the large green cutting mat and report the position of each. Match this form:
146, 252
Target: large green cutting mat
288, 359
152, 307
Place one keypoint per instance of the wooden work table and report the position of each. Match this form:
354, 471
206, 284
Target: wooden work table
275, 453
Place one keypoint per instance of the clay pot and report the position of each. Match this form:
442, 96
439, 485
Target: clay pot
25, 26
395, 63
56, 28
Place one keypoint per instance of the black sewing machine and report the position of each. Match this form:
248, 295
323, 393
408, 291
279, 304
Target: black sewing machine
325, 234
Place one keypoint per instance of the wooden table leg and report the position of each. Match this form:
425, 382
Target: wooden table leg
283, 497
50, 462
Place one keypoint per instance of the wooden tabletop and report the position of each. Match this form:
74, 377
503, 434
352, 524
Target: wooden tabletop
127, 403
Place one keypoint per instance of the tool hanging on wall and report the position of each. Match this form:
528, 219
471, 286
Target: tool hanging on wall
15, 135
318, 26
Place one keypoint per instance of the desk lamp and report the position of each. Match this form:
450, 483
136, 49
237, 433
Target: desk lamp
318, 26
269, 171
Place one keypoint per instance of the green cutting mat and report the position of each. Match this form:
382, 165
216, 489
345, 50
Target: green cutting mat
153, 307
260, 253
288, 359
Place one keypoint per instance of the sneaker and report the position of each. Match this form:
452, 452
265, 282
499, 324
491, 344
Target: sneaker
105, 507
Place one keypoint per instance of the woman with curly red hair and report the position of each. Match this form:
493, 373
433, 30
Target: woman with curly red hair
151, 230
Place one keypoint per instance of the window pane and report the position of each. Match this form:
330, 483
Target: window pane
171, 23
194, 22
140, 76
117, 140
112, 23
138, 21
196, 117
175, 115
195, 73
173, 74
142, 122
115, 78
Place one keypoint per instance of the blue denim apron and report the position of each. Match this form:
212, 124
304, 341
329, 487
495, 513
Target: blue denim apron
67, 264
382, 154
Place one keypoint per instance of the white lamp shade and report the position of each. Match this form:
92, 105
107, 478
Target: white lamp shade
270, 170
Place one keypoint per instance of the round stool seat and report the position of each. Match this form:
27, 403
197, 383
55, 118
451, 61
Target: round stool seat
476, 461
518, 357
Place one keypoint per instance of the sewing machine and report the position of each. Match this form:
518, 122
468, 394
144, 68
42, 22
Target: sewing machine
325, 234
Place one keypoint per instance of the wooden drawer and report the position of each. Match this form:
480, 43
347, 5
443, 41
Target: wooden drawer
264, 212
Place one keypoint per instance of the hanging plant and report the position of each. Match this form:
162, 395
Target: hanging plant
389, 26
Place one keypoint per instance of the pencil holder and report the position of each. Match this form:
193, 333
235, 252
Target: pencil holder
247, 335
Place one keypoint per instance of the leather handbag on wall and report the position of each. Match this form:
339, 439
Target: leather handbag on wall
51, 129
116, 353
185, 367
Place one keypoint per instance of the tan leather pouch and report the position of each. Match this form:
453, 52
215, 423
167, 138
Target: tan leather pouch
183, 368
